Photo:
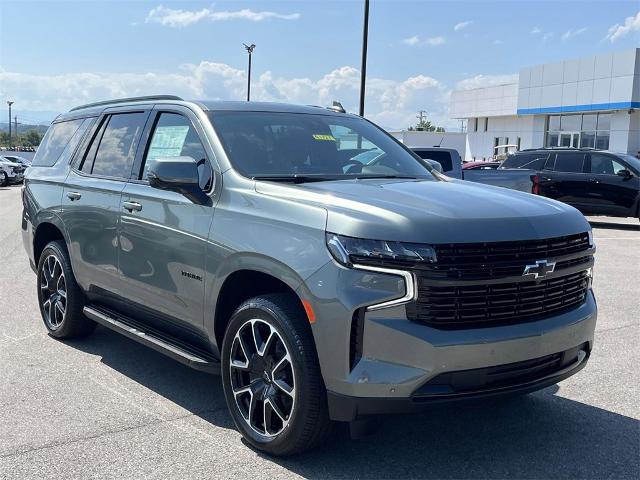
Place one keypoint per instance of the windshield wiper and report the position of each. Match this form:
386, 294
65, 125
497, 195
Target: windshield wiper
365, 177
294, 178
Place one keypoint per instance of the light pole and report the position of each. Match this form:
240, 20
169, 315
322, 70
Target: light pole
363, 69
249, 49
10, 103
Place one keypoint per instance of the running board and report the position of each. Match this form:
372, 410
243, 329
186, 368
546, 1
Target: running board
175, 349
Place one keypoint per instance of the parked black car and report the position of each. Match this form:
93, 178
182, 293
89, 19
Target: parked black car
596, 182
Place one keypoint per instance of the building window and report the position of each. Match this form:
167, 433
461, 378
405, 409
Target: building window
518, 147
581, 130
486, 124
475, 124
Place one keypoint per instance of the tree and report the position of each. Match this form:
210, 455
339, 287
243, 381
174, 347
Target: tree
31, 138
425, 125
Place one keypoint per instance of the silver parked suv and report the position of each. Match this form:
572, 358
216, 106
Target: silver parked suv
256, 241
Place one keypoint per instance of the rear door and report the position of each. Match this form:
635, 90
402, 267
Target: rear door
610, 193
163, 235
91, 200
564, 178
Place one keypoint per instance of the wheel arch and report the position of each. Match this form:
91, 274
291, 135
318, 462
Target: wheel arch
47, 230
247, 280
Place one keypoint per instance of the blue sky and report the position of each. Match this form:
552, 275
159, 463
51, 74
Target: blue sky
54, 55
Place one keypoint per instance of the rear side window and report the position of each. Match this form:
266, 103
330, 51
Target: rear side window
442, 157
114, 148
534, 161
55, 141
570, 162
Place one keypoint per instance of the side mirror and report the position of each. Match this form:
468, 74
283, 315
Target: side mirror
624, 173
436, 165
177, 174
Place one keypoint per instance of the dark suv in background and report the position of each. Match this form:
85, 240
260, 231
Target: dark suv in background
596, 182
257, 241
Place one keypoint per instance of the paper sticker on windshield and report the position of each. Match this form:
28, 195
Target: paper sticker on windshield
318, 136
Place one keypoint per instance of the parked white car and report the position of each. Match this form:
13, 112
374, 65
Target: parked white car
10, 172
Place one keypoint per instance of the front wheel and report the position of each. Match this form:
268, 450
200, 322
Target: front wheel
4, 179
271, 376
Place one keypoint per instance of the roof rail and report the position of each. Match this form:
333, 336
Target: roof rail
126, 100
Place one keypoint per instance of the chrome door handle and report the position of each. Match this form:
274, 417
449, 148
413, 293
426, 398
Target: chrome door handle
132, 206
593, 180
73, 196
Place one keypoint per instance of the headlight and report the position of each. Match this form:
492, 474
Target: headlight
349, 250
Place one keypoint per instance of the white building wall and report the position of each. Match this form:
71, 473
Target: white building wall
529, 128
455, 140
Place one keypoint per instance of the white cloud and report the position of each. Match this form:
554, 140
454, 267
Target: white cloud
417, 40
535, 31
547, 36
181, 18
631, 24
486, 81
497, 42
461, 25
572, 33
392, 103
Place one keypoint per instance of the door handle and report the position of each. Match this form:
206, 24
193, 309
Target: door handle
545, 179
132, 206
593, 180
73, 196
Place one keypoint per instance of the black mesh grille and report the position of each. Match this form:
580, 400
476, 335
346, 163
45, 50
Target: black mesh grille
473, 306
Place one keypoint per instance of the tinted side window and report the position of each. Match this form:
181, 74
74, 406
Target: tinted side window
534, 161
55, 141
117, 148
569, 162
175, 136
604, 165
443, 158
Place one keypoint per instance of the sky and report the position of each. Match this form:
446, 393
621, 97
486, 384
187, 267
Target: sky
58, 54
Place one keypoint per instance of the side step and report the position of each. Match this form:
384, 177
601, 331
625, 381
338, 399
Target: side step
173, 348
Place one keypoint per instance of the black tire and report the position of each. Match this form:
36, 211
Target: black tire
71, 323
4, 180
308, 422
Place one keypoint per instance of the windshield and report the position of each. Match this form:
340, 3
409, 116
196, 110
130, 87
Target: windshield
332, 147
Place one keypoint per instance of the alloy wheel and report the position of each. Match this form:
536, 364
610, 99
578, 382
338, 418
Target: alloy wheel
262, 377
53, 292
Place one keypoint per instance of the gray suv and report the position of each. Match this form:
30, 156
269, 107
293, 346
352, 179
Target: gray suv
256, 241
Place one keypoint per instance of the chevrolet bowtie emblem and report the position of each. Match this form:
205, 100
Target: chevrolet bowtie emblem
540, 269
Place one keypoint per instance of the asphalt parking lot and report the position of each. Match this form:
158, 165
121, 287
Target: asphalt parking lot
107, 407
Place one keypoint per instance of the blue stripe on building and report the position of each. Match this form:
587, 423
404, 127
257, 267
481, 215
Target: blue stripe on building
579, 108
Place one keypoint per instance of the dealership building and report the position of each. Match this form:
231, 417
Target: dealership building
586, 102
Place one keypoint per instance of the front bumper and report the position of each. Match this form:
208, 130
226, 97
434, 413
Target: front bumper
396, 357
348, 408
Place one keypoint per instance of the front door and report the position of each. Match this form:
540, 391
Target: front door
569, 139
610, 193
163, 235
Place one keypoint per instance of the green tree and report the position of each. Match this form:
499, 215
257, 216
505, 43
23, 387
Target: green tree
425, 125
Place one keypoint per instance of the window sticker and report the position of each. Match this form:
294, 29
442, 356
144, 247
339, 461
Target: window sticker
318, 136
167, 141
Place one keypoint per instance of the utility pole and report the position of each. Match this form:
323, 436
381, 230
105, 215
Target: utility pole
15, 122
249, 49
363, 68
10, 103
422, 115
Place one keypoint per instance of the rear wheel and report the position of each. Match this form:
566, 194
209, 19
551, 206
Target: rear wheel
61, 300
271, 376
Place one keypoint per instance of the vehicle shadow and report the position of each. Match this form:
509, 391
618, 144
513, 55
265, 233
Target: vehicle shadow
615, 226
541, 435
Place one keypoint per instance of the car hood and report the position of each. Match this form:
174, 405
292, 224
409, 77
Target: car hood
432, 211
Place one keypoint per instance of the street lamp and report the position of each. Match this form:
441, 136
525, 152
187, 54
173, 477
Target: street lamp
363, 69
10, 103
249, 49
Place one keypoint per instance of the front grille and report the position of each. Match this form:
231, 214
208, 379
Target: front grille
454, 306
474, 261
